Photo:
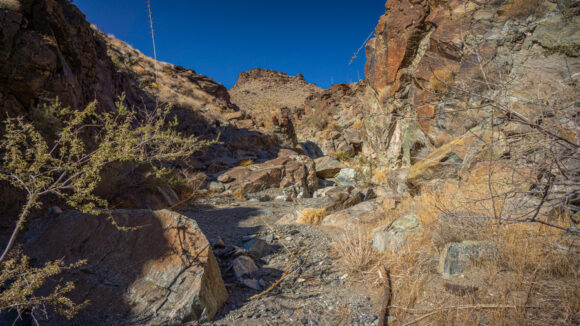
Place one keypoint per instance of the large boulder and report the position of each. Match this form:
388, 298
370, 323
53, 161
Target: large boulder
288, 169
353, 217
161, 272
327, 167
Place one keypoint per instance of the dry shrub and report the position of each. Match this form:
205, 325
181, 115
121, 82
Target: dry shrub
522, 8
381, 176
239, 195
246, 162
354, 252
312, 216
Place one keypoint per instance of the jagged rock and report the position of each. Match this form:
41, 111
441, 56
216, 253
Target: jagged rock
458, 154
163, 272
288, 169
243, 266
343, 197
393, 235
459, 257
327, 167
347, 177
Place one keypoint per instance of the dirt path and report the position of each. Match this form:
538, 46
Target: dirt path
315, 290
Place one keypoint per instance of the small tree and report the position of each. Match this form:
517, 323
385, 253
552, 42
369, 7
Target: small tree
66, 161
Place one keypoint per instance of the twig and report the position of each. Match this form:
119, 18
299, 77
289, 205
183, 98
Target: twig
275, 284
385, 277
474, 307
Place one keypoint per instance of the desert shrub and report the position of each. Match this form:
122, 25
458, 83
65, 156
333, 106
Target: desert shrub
312, 216
66, 162
354, 252
319, 121
344, 155
19, 282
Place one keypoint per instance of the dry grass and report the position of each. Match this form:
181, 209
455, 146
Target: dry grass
246, 162
239, 195
312, 216
354, 252
380, 176
535, 280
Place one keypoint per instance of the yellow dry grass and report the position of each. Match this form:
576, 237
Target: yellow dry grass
312, 216
239, 195
245, 162
535, 280
380, 176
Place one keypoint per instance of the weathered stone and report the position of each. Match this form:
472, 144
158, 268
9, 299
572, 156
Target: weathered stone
559, 34
216, 187
459, 257
244, 265
393, 235
343, 197
352, 217
224, 178
288, 169
327, 167
163, 272
346, 177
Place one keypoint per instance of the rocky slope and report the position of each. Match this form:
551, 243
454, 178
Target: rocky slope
467, 123
262, 93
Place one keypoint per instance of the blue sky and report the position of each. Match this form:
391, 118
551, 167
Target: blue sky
220, 39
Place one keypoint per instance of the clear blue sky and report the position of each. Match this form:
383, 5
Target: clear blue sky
220, 39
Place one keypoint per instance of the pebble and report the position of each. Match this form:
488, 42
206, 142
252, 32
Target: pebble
288, 238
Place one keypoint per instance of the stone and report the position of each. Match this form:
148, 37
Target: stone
392, 236
327, 167
163, 271
457, 258
346, 177
282, 198
216, 187
355, 216
244, 265
256, 247
224, 178
288, 169
343, 197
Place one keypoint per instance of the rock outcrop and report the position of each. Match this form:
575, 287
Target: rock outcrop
161, 272
263, 92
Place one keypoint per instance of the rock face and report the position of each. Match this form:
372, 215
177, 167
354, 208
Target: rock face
163, 272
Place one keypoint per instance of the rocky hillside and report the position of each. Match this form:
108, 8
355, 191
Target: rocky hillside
441, 190
262, 93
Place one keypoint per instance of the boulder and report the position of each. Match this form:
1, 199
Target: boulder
216, 187
353, 217
343, 197
458, 257
327, 167
161, 272
288, 169
393, 235
346, 177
